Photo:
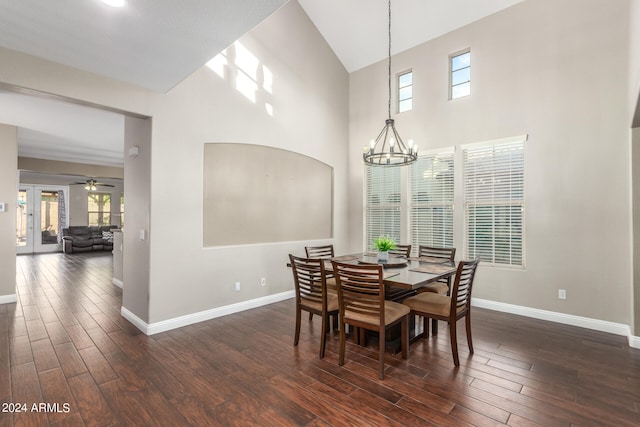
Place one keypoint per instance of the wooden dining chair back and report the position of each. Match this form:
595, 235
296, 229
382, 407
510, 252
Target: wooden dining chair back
323, 252
445, 254
310, 279
401, 250
361, 297
449, 308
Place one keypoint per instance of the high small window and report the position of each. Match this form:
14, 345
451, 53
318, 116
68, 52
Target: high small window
99, 208
460, 74
405, 91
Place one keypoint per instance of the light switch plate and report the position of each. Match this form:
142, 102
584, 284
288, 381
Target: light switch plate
1, 206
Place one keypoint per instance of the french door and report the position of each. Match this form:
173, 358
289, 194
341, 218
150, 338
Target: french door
37, 219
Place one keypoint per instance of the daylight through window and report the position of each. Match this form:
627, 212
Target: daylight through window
460, 75
405, 91
494, 201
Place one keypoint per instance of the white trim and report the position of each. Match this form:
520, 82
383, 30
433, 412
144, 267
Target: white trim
117, 282
566, 319
189, 319
8, 299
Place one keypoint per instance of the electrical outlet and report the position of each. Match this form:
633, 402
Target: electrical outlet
263, 281
562, 294
237, 287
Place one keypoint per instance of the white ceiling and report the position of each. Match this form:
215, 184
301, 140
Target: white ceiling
357, 30
158, 43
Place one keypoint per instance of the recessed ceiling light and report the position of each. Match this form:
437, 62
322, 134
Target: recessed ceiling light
114, 3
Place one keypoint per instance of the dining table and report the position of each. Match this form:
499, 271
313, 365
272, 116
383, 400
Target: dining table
403, 273
402, 277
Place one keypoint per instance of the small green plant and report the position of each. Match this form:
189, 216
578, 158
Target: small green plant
384, 243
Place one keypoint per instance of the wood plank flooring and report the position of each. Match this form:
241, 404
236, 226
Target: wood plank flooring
65, 344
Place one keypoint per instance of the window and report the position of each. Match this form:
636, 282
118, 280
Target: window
99, 208
460, 74
121, 210
494, 201
405, 91
431, 209
382, 203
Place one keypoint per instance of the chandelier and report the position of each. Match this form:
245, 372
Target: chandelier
388, 149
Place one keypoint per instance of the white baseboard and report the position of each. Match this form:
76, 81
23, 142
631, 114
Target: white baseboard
117, 282
189, 319
8, 299
567, 319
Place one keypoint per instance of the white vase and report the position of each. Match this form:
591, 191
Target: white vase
383, 256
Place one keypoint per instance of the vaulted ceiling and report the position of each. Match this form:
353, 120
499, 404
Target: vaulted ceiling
158, 43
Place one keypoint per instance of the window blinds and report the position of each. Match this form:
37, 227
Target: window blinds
494, 201
431, 208
382, 203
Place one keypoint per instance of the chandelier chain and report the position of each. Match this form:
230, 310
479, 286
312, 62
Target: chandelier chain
389, 103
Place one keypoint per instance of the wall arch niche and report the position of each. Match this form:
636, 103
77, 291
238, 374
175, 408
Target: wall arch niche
257, 194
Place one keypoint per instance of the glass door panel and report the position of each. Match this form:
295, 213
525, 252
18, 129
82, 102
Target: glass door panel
49, 217
24, 221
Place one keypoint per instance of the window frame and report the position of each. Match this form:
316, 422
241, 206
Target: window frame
101, 213
452, 57
399, 99
501, 200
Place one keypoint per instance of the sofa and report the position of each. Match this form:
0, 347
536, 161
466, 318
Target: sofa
82, 238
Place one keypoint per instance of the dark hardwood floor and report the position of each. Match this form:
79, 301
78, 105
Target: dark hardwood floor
65, 344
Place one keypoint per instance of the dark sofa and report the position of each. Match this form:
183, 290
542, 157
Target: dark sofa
87, 238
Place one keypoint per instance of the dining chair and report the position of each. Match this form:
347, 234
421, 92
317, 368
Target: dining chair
401, 250
447, 255
310, 279
362, 305
451, 308
324, 252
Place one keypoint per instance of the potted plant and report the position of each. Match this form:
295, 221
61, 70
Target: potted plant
383, 244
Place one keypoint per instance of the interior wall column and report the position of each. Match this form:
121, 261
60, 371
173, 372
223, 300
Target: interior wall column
8, 197
137, 201
635, 188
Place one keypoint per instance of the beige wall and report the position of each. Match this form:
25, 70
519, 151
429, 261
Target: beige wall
310, 116
557, 72
136, 239
8, 185
635, 159
634, 62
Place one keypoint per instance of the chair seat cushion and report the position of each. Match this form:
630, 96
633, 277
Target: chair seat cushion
392, 312
332, 303
429, 303
437, 287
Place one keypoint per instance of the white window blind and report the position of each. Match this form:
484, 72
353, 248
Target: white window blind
494, 201
431, 209
382, 203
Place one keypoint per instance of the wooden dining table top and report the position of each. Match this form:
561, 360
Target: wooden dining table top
407, 273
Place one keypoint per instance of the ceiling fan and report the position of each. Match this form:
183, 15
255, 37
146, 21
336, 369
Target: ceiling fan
91, 184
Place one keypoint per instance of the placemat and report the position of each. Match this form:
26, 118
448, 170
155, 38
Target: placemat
345, 257
430, 259
434, 269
